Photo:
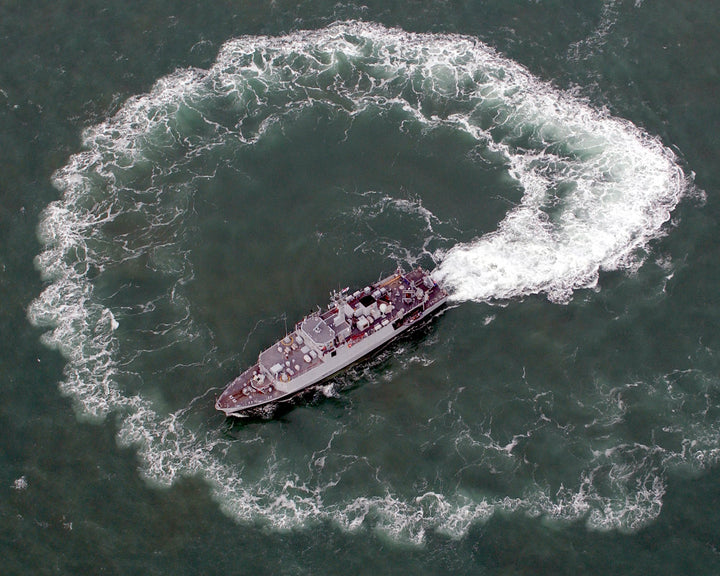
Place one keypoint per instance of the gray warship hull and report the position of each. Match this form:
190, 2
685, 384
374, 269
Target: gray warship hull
325, 343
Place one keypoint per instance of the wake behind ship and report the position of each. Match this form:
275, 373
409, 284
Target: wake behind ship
324, 343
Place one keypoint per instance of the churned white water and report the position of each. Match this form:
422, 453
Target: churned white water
595, 191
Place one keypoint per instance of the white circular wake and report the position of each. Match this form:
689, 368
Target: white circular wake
596, 190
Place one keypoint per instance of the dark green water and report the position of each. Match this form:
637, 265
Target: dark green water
178, 183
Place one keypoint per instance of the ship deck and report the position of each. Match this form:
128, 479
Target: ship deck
291, 356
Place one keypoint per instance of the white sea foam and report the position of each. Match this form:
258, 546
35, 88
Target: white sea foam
596, 190
594, 208
20, 483
591, 45
376, 206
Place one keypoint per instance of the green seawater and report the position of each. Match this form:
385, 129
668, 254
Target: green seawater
180, 184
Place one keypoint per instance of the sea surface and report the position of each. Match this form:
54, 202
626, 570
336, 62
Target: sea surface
181, 182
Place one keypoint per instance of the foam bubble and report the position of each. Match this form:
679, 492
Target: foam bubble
20, 483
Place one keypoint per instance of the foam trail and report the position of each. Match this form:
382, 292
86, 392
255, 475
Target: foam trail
595, 207
596, 190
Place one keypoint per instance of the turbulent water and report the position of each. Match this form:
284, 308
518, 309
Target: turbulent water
203, 217
588, 192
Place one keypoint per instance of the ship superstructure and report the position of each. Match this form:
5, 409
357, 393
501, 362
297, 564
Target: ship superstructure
325, 342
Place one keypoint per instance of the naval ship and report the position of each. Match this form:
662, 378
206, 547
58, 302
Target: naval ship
325, 342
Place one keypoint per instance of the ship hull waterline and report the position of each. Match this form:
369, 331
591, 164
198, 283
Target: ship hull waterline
325, 344
266, 404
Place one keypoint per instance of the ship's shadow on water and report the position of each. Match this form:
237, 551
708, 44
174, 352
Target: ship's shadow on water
335, 391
